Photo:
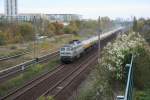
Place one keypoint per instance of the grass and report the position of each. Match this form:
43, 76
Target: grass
142, 73
87, 90
31, 73
87, 94
141, 79
16, 52
142, 95
46, 98
47, 46
38, 69
44, 47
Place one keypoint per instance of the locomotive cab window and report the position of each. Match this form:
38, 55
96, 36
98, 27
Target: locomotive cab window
69, 49
62, 49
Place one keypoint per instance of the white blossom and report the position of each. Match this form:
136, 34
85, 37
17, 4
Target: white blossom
114, 53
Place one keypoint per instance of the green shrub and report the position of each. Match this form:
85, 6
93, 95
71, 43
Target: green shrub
142, 95
31, 72
46, 98
2, 39
13, 47
142, 70
117, 54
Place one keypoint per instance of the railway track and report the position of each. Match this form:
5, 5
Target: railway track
58, 91
14, 56
31, 90
13, 71
63, 88
56, 83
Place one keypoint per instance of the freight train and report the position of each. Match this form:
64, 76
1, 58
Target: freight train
76, 48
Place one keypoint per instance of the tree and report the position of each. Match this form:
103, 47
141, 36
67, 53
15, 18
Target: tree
18, 38
78, 23
134, 24
9, 37
90, 24
2, 39
58, 28
140, 25
50, 30
26, 31
105, 23
73, 27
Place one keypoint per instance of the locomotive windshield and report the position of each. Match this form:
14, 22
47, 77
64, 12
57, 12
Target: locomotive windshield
62, 49
68, 49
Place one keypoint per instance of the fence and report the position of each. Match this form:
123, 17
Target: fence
129, 87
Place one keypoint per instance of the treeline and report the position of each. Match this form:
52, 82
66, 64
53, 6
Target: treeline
26, 31
143, 27
13, 33
105, 23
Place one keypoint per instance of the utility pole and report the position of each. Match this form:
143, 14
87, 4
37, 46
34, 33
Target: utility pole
34, 25
99, 41
35, 38
99, 49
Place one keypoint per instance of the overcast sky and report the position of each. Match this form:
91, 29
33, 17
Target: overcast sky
87, 8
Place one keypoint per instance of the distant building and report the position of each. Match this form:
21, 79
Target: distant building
1, 14
1, 17
30, 17
63, 17
50, 17
11, 8
11, 15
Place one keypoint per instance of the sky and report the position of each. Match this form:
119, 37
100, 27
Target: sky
87, 8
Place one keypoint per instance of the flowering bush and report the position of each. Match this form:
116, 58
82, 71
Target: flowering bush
115, 54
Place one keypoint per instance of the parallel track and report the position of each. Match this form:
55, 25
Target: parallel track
14, 56
13, 71
57, 90
59, 81
62, 89
44, 82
